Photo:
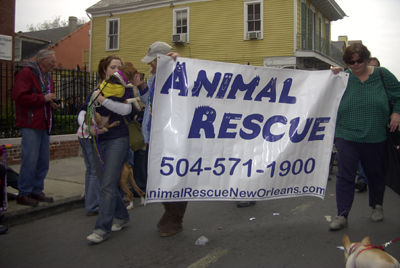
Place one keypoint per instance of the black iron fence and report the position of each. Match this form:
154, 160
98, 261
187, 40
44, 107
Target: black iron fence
71, 87
314, 42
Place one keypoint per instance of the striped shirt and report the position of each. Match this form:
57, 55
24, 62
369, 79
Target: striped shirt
364, 109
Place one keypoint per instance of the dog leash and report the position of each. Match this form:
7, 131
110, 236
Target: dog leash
382, 247
390, 242
92, 115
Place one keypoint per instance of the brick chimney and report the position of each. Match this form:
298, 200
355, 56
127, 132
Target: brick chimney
72, 23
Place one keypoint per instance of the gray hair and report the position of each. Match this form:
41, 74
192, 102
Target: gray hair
43, 54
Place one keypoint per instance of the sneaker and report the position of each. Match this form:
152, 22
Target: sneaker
361, 186
377, 213
95, 238
338, 223
3, 229
116, 227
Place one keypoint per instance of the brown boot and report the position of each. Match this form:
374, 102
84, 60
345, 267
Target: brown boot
174, 223
167, 214
27, 200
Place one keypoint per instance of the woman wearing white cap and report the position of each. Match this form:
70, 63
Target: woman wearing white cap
171, 221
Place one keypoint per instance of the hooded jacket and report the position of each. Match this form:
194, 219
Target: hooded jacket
29, 99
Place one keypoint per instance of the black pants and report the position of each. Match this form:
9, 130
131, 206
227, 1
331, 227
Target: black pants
140, 168
372, 157
2, 184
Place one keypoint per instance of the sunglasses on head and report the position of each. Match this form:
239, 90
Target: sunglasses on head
351, 62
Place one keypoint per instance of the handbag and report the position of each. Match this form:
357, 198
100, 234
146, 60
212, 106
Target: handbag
392, 163
136, 140
392, 154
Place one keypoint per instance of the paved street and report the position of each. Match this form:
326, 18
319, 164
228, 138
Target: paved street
284, 233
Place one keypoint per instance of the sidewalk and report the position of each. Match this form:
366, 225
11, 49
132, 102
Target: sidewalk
64, 182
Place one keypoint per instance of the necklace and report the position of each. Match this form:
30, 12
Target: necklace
45, 90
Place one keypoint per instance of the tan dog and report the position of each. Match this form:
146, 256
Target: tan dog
127, 176
108, 89
364, 255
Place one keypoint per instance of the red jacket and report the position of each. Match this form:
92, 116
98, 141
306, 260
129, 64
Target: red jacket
29, 99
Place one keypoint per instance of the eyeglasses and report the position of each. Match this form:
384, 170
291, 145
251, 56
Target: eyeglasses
351, 62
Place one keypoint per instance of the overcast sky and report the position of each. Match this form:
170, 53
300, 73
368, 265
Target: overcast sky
375, 22
29, 12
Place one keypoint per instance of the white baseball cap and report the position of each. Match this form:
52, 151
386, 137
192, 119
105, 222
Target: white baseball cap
156, 48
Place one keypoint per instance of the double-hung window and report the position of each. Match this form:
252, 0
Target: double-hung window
181, 25
253, 24
112, 42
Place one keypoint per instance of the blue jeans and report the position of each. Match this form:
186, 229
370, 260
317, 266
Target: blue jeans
113, 153
35, 154
92, 187
131, 157
361, 174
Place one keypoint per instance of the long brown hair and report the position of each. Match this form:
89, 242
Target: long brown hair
103, 65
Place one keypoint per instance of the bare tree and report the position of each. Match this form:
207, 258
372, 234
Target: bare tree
56, 22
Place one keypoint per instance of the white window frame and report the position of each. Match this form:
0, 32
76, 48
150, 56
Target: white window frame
17, 48
108, 34
246, 5
174, 26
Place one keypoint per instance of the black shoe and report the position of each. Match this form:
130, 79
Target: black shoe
3, 229
361, 186
94, 213
243, 204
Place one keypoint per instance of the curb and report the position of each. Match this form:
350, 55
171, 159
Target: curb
42, 211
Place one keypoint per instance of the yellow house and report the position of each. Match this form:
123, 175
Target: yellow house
269, 33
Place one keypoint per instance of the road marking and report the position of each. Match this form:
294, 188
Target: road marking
210, 258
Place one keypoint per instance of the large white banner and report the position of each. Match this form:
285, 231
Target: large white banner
233, 132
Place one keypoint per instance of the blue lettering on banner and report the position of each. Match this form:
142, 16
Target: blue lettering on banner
177, 80
251, 125
233, 193
204, 117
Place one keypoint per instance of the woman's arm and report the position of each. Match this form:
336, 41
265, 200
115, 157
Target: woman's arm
114, 106
117, 107
393, 92
81, 117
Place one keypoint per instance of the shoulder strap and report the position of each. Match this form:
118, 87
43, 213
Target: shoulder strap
384, 86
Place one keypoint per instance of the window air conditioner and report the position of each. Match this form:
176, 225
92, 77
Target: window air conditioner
179, 38
254, 35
